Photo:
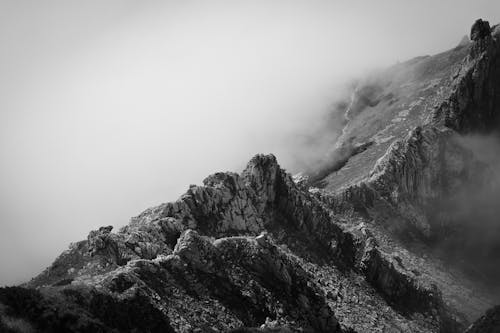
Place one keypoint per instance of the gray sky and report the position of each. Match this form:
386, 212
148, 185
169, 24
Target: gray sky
110, 107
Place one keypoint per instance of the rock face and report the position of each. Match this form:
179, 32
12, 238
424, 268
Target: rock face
348, 248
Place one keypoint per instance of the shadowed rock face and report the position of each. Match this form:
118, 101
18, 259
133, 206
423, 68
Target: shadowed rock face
259, 252
82, 309
480, 29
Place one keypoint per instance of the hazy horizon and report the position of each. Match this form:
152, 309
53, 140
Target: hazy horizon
110, 107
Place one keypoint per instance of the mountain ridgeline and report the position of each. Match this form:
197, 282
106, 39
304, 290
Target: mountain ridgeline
397, 230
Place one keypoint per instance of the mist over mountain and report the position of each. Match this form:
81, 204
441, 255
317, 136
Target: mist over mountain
376, 210
109, 107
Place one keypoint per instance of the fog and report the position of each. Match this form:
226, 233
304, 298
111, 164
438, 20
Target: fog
110, 107
473, 211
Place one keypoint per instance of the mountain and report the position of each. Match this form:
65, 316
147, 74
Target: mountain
375, 239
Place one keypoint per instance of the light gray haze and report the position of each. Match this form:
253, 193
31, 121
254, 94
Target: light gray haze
109, 107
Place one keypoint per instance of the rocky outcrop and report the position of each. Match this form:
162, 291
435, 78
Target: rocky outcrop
212, 285
415, 173
261, 268
123, 247
474, 101
480, 29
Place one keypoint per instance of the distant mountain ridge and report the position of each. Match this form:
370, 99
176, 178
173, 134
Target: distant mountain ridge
353, 246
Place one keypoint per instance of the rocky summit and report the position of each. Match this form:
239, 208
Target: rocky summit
369, 241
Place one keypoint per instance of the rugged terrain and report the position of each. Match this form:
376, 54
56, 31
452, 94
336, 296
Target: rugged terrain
361, 244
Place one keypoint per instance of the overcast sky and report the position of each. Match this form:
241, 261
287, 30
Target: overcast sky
109, 107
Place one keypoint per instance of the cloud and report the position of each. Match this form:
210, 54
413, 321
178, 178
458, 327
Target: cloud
473, 212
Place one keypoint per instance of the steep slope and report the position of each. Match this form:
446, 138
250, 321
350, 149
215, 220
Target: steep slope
414, 158
351, 248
